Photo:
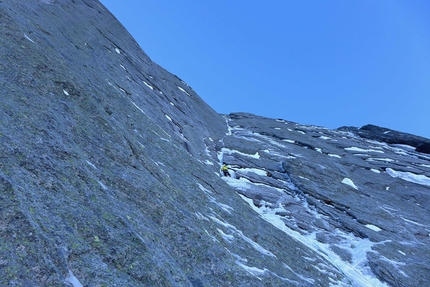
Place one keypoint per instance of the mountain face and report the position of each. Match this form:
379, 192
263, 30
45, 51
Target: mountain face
110, 175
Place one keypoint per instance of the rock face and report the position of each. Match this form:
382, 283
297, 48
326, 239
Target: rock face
109, 175
373, 132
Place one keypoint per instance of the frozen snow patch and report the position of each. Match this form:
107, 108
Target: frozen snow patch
349, 182
229, 151
227, 237
169, 118
184, 91
65, 92
334, 155
409, 176
380, 159
138, 108
28, 38
251, 270
148, 85
117, 50
375, 170
373, 227
362, 150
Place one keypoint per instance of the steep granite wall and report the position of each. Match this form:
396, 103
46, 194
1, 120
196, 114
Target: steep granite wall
109, 175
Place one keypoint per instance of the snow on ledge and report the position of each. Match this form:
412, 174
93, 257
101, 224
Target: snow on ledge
409, 176
362, 150
349, 182
373, 227
229, 151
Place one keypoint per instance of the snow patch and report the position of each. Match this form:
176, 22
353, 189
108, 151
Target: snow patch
373, 227
229, 151
251, 270
148, 85
375, 170
65, 92
362, 150
138, 108
253, 170
28, 38
409, 176
334, 155
380, 159
117, 50
349, 182
227, 237
169, 118
358, 272
184, 91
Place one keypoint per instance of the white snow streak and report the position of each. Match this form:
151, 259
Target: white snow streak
254, 244
373, 227
148, 85
229, 151
28, 38
357, 272
184, 91
362, 150
349, 182
409, 176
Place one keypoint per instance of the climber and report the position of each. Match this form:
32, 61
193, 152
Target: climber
224, 170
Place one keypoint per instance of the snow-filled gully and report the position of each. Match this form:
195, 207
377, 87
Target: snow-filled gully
357, 272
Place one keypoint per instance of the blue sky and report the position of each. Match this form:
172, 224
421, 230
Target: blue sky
328, 63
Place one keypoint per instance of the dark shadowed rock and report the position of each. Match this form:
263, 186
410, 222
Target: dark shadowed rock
423, 147
390, 136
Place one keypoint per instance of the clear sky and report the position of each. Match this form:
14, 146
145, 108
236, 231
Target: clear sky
328, 63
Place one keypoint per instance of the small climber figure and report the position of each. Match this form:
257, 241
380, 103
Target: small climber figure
224, 170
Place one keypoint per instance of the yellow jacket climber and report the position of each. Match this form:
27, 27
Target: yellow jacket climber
224, 169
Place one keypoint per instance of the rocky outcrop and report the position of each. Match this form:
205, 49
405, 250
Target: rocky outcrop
349, 194
373, 132
109, 175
